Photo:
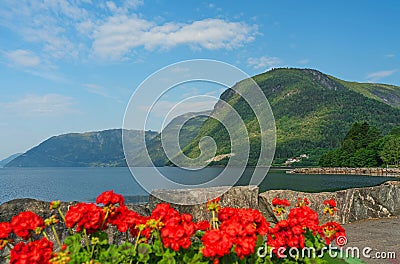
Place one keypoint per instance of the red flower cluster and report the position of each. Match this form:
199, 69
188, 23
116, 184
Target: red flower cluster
290, 232
280, 206
36, 252
330, 207
330, 202
85, 216
121, 217
5, 230
177, 231
238, 228
302, 202
332, 230
125, 219
278, 202
109, 197
25, 223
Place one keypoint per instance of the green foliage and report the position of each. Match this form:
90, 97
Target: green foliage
391, 151
364, 146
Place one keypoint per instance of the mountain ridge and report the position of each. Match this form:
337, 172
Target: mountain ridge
88, 149
313, 111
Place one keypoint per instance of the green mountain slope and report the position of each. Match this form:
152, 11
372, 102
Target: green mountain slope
313, 112
103, 148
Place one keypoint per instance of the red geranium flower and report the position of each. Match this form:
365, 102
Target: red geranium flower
202, 225
330, 207
302, 202
330, 202
25, 223
109, 197
83, 215
216, 243
5, 229
36, 252
331, 231
276, 201
125, 219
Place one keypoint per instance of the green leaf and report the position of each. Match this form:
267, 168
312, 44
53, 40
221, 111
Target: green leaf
102, 236
143, 251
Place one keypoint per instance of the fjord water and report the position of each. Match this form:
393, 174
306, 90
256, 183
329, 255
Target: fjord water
85, 184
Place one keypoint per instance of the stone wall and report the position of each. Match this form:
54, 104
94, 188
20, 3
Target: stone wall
353, 204
383, 172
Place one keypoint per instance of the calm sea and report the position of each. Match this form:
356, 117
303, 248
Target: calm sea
85, 184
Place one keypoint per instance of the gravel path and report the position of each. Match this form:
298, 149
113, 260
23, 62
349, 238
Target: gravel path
381, 235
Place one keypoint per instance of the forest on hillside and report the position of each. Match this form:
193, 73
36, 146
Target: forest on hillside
365, 146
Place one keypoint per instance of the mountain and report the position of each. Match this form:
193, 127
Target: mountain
313, 112
91, 149
186, 126
8, 159
104, 148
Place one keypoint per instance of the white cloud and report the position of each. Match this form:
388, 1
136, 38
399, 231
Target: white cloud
71, 30
121, 34
374, 76
50, 25
124, 7
263, 62
40, 105
22, 58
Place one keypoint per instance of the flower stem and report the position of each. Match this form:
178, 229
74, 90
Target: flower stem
63, 218
45, 235
137, 239
104, 220
56, 236
91, 255
86, 239
61, 214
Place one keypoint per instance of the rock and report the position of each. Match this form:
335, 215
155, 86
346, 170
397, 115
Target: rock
237, 197
371, 202
352, 204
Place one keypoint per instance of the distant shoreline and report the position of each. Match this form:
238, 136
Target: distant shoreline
381, 172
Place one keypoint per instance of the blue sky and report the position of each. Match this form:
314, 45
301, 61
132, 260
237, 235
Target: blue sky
71, 66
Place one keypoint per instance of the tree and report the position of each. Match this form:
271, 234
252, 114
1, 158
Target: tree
391, 151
